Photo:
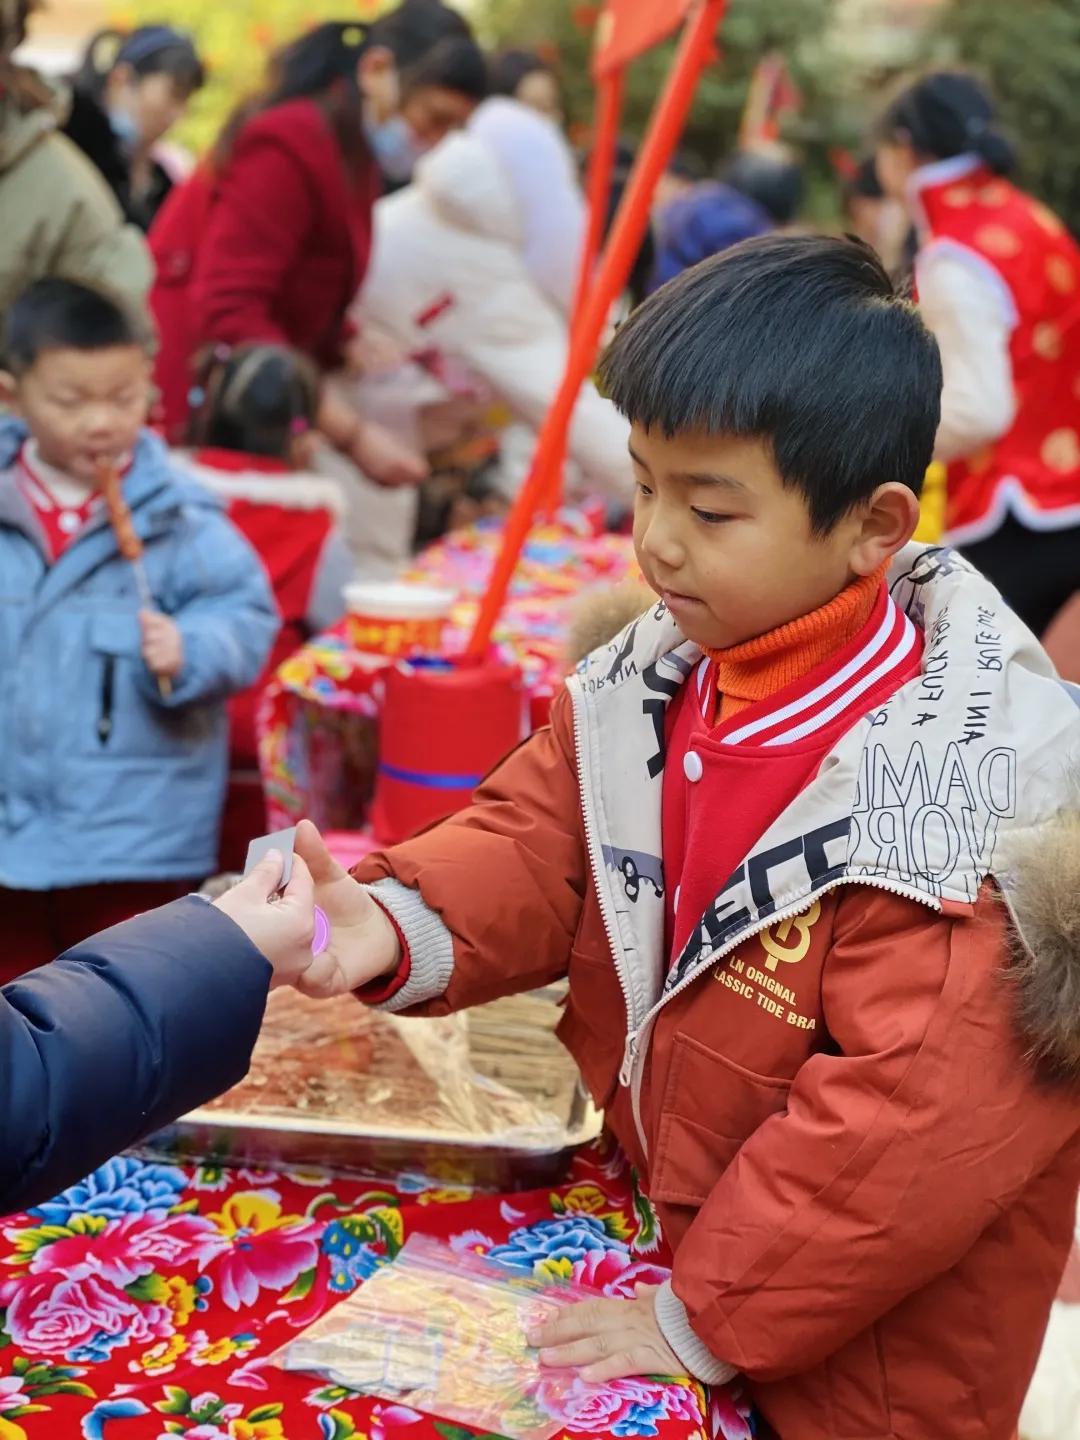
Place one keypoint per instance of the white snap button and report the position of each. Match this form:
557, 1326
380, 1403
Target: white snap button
692, 766
69, 521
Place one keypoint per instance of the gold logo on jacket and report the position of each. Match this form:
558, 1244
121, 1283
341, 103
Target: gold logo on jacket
776, 941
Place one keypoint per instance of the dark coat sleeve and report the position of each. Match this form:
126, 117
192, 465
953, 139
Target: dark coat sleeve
118, 1037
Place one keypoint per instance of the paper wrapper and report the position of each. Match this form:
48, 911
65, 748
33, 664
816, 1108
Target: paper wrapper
496, 1072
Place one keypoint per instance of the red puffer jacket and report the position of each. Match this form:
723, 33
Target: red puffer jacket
868, 1186
271, 249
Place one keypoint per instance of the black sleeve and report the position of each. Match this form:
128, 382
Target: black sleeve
118, 1037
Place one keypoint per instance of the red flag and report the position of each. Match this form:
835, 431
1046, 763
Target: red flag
627, 28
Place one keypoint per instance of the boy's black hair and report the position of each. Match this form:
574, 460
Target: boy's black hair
455, 63
58, 314
257, 399
800, 341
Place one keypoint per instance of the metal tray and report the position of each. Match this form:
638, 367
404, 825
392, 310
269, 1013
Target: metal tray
509, 1162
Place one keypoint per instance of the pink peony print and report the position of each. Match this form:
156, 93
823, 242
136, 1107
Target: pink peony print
616, 1274
385, 1418
593, 1409
729, 1414
684, 1403
267, 1250
53, 1314
131, 1247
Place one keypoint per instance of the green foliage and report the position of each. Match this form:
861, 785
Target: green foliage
236, 39
1030, 53
798, 29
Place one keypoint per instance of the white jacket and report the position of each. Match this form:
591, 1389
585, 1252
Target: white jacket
449, 272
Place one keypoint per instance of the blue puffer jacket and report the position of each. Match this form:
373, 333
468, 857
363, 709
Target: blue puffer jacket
117, 1038
100, 777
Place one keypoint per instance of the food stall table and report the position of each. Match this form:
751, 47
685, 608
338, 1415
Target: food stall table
317, 723
147, 1301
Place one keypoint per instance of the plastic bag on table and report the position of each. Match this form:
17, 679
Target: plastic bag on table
445, 1332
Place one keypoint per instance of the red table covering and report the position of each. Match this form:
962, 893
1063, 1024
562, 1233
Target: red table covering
145, 1302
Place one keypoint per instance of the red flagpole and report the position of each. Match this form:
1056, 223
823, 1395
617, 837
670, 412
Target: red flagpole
669, 118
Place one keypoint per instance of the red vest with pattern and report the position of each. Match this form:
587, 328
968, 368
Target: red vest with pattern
1034, 469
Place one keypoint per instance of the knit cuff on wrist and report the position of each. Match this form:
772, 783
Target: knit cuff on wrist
428, 945
674, 1322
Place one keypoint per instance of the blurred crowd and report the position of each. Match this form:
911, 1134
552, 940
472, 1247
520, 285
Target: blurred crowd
337, 334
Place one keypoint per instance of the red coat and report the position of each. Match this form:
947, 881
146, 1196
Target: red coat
291, 522
869, 1189
869, 1193
271, 249
1036, 464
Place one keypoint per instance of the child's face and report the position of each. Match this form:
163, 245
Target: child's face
728, 546
84, 407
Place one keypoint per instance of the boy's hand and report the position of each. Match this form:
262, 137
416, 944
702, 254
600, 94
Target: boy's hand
608, 1339
162, 644
363, 943
282, 928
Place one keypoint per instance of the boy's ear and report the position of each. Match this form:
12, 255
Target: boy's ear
886, 525
9, 391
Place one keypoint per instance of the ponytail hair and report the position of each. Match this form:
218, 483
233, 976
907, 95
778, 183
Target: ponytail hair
255, 399
149, 50
947, 113
319, 65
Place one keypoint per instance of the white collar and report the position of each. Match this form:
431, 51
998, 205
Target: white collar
68, 492
938, 172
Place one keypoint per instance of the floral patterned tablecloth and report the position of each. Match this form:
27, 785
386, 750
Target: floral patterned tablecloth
146, 1302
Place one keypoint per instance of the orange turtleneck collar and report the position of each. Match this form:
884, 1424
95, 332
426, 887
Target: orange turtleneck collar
760, 667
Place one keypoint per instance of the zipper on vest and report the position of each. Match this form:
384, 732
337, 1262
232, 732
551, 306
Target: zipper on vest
637, 1041
596, 861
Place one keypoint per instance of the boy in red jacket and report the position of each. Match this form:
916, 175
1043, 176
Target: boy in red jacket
768, 837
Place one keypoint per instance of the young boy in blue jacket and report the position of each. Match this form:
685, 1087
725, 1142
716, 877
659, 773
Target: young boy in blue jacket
115, 735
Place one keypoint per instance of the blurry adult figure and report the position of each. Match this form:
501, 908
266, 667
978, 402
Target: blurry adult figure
128, 94
473, 272
998, 280
59, 218
435, 85
879, 220
759, 191
269, 241
685, 172
523, 75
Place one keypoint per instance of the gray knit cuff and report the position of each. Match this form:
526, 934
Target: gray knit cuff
431, 946
674, 1322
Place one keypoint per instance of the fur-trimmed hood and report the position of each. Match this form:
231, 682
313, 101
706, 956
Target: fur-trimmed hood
1046, 962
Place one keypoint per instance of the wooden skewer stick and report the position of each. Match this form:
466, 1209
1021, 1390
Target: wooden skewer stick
129, 545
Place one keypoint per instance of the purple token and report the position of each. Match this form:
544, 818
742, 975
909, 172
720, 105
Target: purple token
322, 932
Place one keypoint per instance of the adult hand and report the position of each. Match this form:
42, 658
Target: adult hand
363, 943
385, 459
283, 927
608, 1339
162, 644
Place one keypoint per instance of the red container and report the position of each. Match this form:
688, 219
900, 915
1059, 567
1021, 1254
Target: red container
443, 727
